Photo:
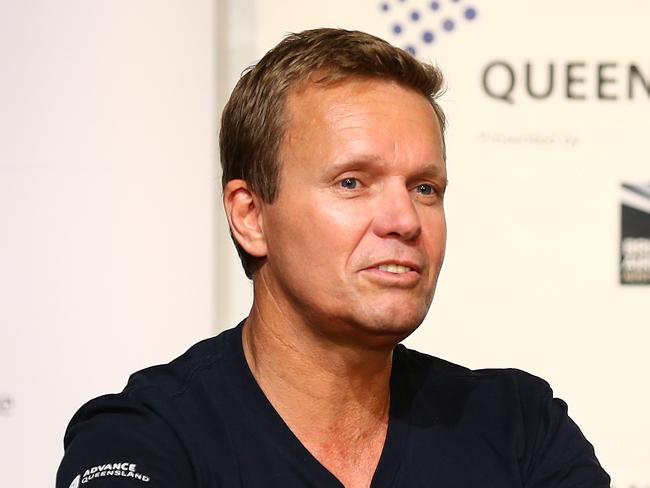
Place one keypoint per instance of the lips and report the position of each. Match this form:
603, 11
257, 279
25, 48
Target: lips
396, 266
394, 274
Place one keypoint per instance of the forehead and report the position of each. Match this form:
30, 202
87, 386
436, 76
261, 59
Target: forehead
327, 97
360, 118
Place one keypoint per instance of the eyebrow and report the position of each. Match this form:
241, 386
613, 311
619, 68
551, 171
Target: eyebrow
370, 161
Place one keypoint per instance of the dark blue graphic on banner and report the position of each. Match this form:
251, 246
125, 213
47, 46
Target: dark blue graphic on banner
416, 24
635, 234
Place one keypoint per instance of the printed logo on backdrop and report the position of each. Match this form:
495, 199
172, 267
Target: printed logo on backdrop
635, 233
6, 404
415, 25
577, 81
418, 26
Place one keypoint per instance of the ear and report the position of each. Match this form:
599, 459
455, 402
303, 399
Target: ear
244, 213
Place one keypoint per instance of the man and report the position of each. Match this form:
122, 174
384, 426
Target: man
334, 175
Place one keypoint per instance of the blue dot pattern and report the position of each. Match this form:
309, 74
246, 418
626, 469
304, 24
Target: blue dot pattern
470, 13
406, 15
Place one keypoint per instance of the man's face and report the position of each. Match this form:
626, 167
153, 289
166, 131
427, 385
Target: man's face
356, 237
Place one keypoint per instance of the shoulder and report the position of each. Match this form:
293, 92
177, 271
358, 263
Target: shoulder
117, 429
481, 394
515, 411
174, 378
432, 369
149, 426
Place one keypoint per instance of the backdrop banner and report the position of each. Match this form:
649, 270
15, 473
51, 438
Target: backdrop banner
547, 264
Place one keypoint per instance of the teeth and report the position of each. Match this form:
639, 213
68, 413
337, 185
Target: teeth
394, 268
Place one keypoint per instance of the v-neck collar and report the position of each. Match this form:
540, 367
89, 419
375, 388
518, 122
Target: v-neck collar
254, 398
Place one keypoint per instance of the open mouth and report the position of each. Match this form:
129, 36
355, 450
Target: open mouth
394, 268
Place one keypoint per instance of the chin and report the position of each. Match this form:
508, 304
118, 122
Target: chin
392, 325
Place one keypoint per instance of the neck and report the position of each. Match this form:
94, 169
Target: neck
333, 396
311, 377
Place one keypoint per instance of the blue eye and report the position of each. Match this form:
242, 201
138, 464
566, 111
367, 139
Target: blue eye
349, 183
425, 190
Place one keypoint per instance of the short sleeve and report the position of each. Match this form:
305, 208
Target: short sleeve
115, 441
557, 454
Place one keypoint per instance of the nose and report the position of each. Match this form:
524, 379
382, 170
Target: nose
395, 214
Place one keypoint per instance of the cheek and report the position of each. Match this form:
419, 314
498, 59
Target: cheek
336, 234
341, 227
318, 235
434, 235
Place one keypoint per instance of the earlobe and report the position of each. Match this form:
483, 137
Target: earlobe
244, 213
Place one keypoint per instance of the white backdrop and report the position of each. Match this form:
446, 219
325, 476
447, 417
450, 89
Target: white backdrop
107, 190
531, 278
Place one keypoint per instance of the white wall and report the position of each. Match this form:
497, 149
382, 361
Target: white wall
108, 192
237, 50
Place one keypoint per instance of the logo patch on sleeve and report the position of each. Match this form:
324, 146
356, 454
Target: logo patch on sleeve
122, 469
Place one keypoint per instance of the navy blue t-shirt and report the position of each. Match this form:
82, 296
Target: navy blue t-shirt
202, 421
